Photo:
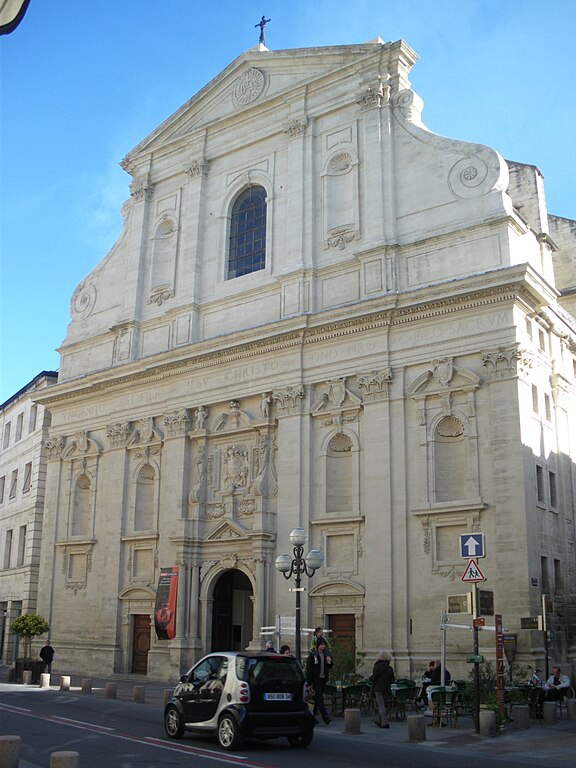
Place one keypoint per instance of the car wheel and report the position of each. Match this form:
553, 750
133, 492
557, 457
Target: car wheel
173, 724
301, 741
229, 736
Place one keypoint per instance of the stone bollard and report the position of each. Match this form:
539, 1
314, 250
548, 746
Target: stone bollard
65, 683
416, 728
487, 722
352, 721
64, 760
168, 693
139, 694
111, 689
45, 680
9, 751
571, 709
521, 717
27, 676
549, 712
86, 685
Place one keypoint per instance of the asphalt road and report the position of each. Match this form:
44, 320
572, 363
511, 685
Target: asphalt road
123, 734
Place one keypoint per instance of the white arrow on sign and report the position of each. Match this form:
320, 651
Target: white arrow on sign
472, 544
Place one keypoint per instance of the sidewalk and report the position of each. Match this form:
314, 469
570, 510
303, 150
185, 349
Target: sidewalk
553, 744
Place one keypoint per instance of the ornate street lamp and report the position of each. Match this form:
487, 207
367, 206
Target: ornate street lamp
294, 567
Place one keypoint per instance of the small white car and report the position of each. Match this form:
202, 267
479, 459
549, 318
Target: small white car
238, 694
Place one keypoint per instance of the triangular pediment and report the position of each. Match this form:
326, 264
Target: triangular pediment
226, 531
254, 79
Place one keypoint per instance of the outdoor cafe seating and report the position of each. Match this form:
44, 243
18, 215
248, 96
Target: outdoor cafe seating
444, 707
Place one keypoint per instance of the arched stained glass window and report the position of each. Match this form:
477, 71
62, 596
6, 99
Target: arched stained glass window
247, 251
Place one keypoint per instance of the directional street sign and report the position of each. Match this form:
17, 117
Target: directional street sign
473, 573
472, 545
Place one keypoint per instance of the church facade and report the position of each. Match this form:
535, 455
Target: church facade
320, 314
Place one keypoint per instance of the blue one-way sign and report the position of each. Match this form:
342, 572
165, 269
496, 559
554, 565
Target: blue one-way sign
472, 545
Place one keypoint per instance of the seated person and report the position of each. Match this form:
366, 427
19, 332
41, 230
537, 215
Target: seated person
556, 685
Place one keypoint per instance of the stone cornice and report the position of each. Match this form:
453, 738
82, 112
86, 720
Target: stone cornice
501, 286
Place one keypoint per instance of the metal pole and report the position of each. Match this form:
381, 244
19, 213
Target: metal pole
298, 558
4, 612
443, 619
476, 664
545, 637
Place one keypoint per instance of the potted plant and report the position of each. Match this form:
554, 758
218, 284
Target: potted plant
27, 626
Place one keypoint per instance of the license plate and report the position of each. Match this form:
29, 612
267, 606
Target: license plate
277, 697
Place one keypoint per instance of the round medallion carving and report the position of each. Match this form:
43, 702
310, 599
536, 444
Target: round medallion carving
467, 177
249, 86
83, 300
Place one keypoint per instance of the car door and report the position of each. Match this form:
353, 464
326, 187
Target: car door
202, 692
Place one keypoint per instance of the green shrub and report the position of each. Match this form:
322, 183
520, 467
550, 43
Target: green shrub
27, 626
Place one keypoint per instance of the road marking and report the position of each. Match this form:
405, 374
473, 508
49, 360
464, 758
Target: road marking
207, 754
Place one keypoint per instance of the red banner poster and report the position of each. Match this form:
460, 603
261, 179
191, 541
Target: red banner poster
165, 612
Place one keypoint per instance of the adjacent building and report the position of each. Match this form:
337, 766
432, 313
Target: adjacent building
318, 313
23, 432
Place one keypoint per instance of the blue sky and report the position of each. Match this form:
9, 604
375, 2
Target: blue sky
82, 83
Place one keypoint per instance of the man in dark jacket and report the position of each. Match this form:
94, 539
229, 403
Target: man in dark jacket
318, 666
47, 654
382, 678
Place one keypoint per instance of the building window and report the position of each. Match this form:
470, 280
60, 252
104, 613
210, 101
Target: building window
541, 340
27, 484
540, 495
13, 485
552, 492
2, 488
6, 441
21, 545
529, 327
247, 249
545, 581
32, 420
535, 398
557, 577
19, 425
7, 550
547, 407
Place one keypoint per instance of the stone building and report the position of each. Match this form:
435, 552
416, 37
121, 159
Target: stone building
23, 431
321, 314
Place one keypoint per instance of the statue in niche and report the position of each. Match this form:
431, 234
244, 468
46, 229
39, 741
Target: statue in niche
199, 489
265, 405
201, 416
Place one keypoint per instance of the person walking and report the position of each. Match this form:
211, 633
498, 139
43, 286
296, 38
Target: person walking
47, 654
382, 678
318, 666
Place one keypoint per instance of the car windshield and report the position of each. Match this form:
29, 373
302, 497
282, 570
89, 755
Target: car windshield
263, 670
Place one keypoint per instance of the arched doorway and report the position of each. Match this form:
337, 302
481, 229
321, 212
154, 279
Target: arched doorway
232, 612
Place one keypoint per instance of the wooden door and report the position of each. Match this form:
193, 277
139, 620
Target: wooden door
140, 643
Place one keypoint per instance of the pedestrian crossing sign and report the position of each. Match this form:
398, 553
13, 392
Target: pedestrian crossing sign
472, 572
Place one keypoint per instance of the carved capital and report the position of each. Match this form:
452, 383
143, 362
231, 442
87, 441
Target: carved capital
503, 362
142, 188
374, 384
375, 94
296, 127
118, 434
197, 168
54, 447
177, 423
